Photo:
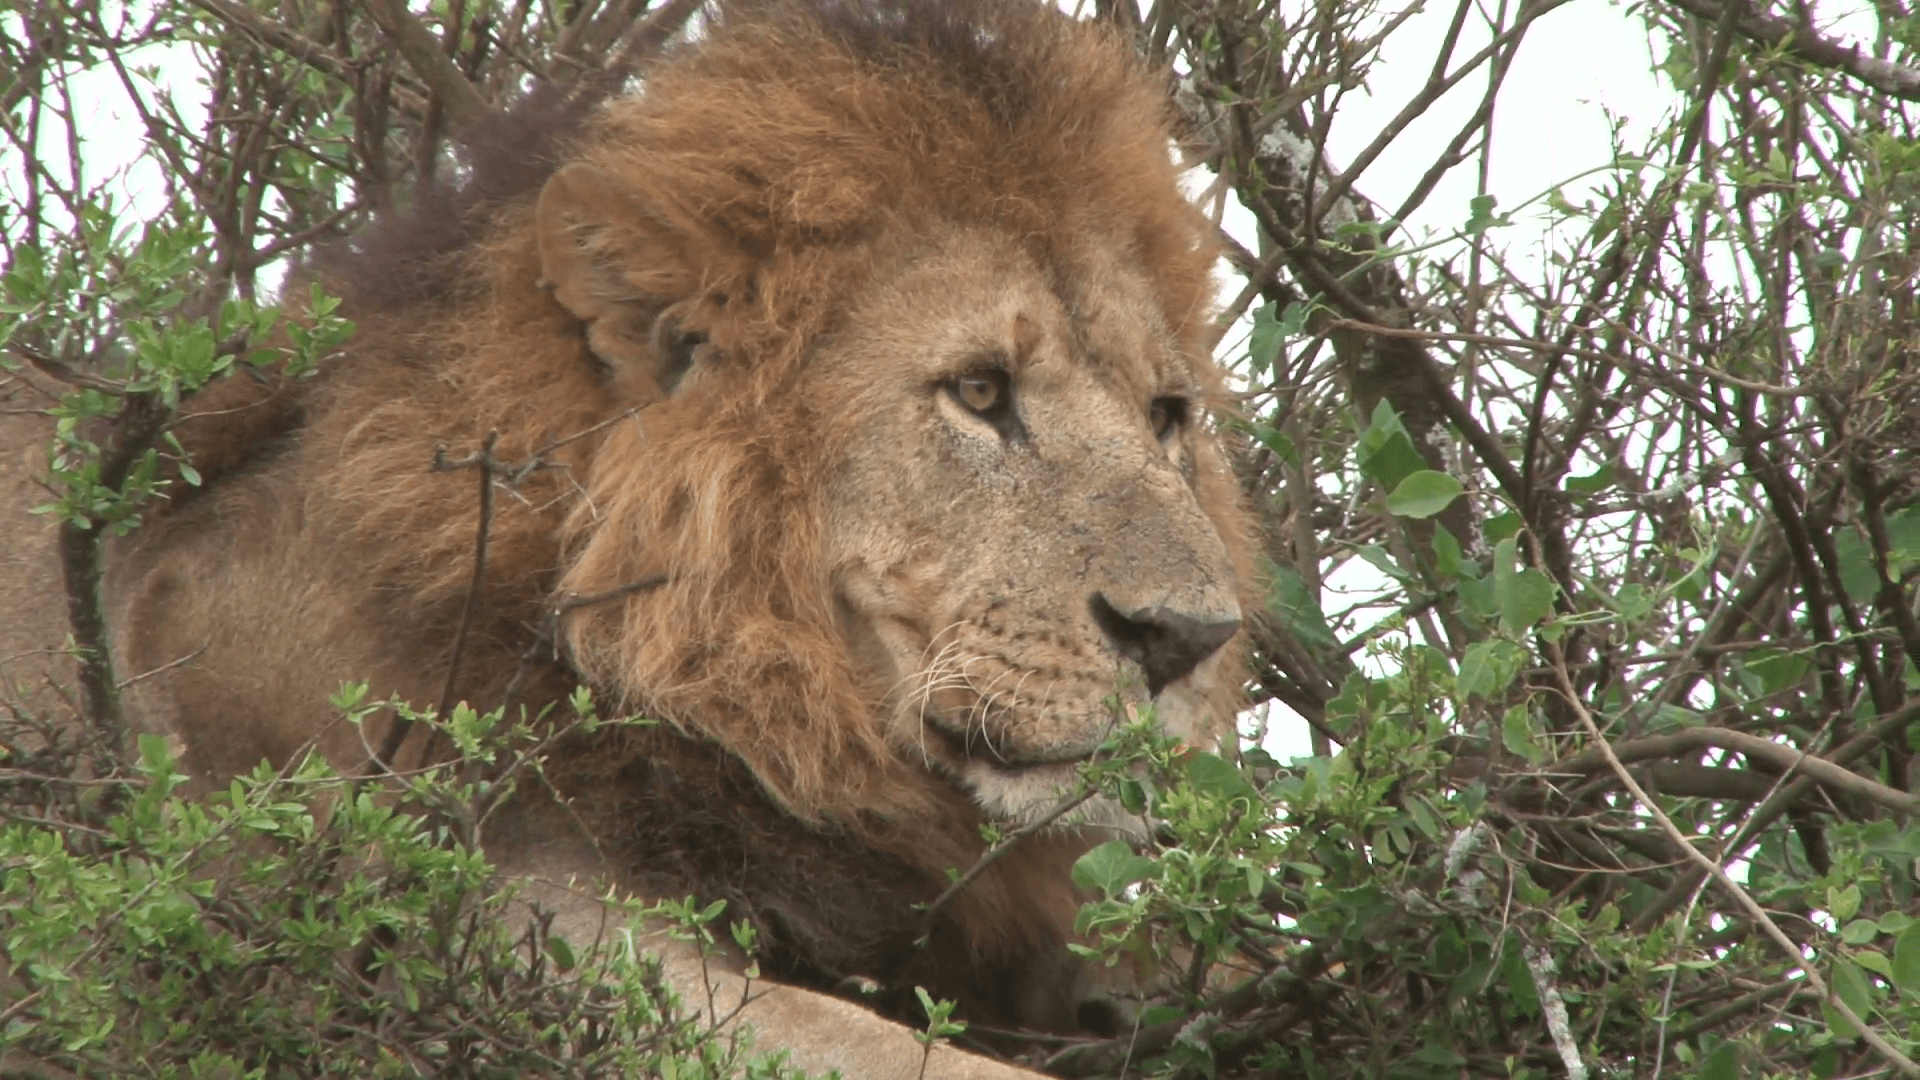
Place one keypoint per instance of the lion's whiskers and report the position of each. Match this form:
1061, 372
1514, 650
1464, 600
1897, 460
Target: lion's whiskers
932, 676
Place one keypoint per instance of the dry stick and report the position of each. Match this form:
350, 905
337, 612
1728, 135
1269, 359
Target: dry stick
484, 459
1437, 85
397, 734
1787, 758
83, 569
168, 666
549, 632
1779, 803
1740, 895
1626, 364
1803, 42
278, 36
651, 34
993, 853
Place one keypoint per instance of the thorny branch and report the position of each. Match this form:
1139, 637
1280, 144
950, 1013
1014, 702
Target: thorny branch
1733, 888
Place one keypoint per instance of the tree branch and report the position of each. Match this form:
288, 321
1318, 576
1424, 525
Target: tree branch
1786, 758
1806, 44
1794, 953
427, 55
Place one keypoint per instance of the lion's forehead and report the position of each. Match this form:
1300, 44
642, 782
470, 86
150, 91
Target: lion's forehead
973, 296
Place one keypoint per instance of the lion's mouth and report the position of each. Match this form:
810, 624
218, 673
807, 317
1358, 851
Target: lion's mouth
1024, 791
976, 750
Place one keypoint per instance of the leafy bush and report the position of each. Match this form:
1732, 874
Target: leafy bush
308, 924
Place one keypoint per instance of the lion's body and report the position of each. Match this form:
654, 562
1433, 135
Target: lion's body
876, 611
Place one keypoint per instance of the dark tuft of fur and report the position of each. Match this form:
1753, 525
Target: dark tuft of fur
408, 257
968, 39
827, 907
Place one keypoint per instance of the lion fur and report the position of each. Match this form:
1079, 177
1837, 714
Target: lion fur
775, 157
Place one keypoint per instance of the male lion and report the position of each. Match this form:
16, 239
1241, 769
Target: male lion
865, 348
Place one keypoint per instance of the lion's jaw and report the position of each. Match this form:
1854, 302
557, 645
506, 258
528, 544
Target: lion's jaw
1005, 572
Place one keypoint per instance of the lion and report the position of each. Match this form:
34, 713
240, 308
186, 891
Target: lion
860, 360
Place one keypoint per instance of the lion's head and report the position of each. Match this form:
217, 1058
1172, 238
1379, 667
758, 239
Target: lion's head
927, 467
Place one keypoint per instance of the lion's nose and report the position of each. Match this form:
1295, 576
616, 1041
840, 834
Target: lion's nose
1167, 644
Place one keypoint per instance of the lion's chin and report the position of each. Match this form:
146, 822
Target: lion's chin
1027, 794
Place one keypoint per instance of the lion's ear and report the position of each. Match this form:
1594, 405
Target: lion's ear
616, 263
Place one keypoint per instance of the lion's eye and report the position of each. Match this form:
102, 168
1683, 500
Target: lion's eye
1166, 414
987, 393
984, 392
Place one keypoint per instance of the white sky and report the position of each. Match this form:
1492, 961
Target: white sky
1579, 68
1550, 121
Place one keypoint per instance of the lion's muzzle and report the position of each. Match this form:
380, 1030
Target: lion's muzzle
1167, 643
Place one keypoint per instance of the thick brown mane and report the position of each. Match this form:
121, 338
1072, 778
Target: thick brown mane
788, 160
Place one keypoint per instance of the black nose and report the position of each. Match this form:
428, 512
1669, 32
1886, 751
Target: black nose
1167, 644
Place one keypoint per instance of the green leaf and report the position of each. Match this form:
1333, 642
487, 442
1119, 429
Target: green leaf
1161, 1014
1850, 985
1263, 343
1875, 961
154, 755
1501, 526
1424, 494
1271, 438
1513, 965
1217, 778
1480, 215
1903, 540
1299, 613
1599, 481
1516, 731
1487, 668
1858, 576
1843, 903
1378, 558
1476, 598
1523, 594
1859, 931
1838, 1025
1722, 1064
1111, 867
1906, 960
1777, 670
1448, 561
1633, 601
560, 952
1385, 452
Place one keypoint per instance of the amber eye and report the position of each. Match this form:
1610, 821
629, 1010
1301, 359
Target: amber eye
1166, 414
984, 392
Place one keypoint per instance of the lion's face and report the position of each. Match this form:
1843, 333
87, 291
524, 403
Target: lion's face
1013, 526
920, 472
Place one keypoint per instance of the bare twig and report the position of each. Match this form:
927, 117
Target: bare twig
1808, 44
992, 854
1733, 888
